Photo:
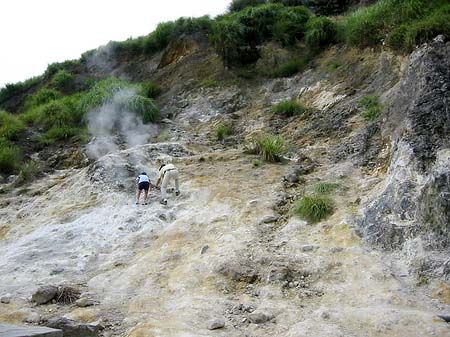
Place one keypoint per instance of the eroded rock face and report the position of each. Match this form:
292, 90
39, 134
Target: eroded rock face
414, 201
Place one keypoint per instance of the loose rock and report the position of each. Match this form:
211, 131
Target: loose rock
44, 295
217, 323
72, 328
260, 317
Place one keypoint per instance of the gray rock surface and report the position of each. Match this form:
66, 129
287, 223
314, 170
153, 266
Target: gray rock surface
44, 294
215, 324
72, 328
9, 330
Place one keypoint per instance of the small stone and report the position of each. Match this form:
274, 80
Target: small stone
6, 299
335, 250
308, 248
270, 219
44, 294
56, 271
217, 323
260, 317
204, 249
33, 318
84, 302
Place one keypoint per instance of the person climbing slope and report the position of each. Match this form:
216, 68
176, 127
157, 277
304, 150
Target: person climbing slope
167, 172
143, 183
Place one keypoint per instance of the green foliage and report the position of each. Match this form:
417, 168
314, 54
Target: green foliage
291, 27
313, 208
370, 25
62, 79
270, 148
62, 133
405, 37
150, 89
28, 172
42, 96
103, 92
222, 131
291, 67
14, 89
372, 106
289, 3
325, 188
53, 68
238, 5
288, 108
10, 156
10, 126
144, 107
320, 33
162, 35
237, 36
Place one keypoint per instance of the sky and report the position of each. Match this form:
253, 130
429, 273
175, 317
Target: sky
35, 33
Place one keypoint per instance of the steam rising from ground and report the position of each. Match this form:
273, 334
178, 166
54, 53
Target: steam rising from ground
114, 127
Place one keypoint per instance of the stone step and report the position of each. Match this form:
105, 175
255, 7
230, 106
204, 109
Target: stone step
8, 330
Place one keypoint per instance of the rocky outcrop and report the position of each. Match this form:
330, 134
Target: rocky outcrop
413, 205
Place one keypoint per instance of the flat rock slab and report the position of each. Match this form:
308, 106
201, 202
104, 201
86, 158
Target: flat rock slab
8, 330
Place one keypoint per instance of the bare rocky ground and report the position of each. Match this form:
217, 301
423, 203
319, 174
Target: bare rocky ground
227, 252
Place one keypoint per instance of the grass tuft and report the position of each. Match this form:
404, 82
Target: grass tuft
222, 131
289, 108
314, 208
373, 107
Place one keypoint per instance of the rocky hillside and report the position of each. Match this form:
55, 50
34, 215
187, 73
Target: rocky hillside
236, 254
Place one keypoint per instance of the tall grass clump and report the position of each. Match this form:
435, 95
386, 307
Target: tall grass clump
150, 89
10, 126
270, 148
288, 108
325, 188
62, 79
313, 208
42, 96
372, 107
369, 26
10, 156
222, 131
320, 33
28, 171
290, 26
290, 68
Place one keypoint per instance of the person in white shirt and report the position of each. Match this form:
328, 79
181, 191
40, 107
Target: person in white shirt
143, 183
167, 172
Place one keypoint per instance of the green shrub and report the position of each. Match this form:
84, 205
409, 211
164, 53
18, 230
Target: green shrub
14, 89
42, 96
270, 148
291, 27
313, 208
62, 79
370, 25
288, 108
320, 32
10, 126
372, 106
144, 107
151, 89
29, 171
61, 133
222, 131
405, 37
53, 68
290, 68
289, 3
325, 188
10, 156
238, 5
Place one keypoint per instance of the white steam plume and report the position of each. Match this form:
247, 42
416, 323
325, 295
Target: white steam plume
114, 127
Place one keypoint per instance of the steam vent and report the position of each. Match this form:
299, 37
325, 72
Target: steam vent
301, 150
